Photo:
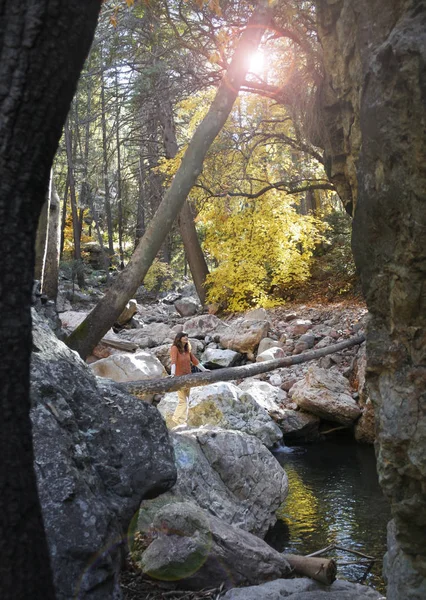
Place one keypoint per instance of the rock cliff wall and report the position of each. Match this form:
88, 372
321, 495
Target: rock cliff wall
373, 108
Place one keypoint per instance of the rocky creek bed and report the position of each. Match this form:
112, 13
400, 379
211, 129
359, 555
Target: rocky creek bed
222, 486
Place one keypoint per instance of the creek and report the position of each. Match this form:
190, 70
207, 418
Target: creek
334, 498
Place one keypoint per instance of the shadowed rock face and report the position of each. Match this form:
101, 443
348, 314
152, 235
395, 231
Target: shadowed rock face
373, 103
98, 453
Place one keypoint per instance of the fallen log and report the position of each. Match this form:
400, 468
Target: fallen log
321, 569
120, 344
172, 384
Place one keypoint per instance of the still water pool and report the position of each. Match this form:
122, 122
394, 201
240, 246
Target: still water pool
334, 498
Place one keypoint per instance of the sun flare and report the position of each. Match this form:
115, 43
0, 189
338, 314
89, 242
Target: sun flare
257, 63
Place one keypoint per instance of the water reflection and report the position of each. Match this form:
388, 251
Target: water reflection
334, 498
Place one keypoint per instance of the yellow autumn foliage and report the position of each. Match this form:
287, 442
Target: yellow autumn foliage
260, 247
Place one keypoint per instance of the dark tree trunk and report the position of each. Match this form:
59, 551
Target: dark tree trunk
43, 44
93, 328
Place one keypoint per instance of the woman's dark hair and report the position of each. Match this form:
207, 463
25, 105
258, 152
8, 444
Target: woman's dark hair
178, 342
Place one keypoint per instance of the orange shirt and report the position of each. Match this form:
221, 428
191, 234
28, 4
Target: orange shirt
182, 361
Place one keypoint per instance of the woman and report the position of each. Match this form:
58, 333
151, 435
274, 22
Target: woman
181, 359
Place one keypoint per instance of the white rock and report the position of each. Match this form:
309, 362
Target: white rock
270, 354
245, 335
225, 405
221, 358
327, 395
266, 395
129, 367
267, 343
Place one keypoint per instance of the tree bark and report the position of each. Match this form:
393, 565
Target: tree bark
119, 182
105, 164
91, 330
188, 231
161, 386
323, 570
49, 283
41, 240
74, 207
43, 44
193, 251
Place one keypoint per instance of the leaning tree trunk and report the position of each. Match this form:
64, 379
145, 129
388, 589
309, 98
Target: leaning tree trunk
43, 44
86, 336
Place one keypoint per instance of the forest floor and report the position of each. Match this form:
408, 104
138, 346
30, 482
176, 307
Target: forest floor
135, 586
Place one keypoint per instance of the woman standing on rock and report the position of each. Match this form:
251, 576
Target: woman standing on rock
181, 359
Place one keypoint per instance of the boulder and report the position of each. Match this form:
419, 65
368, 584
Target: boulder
219, 358
298, 327
77, 297
199, 327
267, 343
129, 367
200, 551
270, 354
94, 254
327, 395
257, 314
266, 395
225, 405
62, 304
98, 453
128, 312
187, 307
304, 589
71, 319
297, 425
150, 335
229, 474
244, 335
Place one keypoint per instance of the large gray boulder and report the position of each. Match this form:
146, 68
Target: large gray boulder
187, 307
327, 395
129, 367
298, 425
269, 397
229, 474
304, 589
149, 335
244, 335
98, 453
199, 327
199, 551
225, 405
219, 357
